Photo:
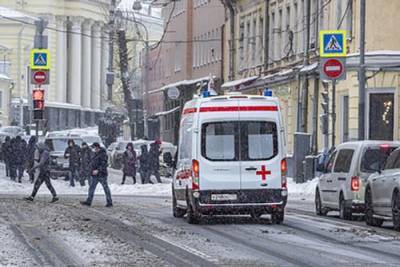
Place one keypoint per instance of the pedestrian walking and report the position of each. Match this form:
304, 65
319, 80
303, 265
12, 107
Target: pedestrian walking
73, 153
6, 151
86, 157
154, 160
144, 164
13, 159
30, 157
44, 173
129, 163
99, 175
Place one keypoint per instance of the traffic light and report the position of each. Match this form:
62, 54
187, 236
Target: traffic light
324, 117
325, 102
38, 104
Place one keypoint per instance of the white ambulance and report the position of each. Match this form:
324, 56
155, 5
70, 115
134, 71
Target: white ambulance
231, 158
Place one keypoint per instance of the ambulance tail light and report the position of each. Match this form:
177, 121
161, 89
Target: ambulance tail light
355, 183
283, 173
195, 175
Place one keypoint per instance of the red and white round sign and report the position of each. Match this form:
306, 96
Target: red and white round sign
39, 77
333, 68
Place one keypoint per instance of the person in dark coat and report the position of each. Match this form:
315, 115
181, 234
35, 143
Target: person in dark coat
73, 153
44, 173
154, 160
13, 159
144, 165
30, 157
6, 151
86, 157
129, 163
99, 175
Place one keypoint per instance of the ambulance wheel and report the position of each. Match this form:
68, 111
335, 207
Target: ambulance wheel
277, 217
177, 212
192, 217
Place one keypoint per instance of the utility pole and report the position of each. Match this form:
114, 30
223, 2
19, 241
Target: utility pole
361, 74
303, 116
110, 73
128, 98
333, 112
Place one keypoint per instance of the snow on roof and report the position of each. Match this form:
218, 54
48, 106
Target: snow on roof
309, 68
239, 82
377, 53
180, 83
163, 113
11, 13
4, 77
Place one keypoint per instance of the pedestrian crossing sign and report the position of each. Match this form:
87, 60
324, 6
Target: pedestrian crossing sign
40, 59
333, 44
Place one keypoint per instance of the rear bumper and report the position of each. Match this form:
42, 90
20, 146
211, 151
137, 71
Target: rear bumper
262, 200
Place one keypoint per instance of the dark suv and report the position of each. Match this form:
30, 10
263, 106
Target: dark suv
59, 166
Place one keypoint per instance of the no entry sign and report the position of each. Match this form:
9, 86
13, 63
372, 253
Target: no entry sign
40, 77
332, 69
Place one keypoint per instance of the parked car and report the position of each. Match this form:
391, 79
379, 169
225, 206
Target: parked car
342, 185
59, 166
117, 153
11, 131
382, 194
90, 139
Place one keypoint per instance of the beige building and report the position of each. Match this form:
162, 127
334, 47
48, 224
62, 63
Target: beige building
78, 44
286, 73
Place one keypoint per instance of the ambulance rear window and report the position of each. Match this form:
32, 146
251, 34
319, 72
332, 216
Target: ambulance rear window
218, 141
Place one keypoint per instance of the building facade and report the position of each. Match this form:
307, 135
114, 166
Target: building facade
190, 53
78, 43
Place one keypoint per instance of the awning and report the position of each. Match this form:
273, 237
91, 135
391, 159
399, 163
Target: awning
164, 113
180, 83
237, 83
375, 60
309, 68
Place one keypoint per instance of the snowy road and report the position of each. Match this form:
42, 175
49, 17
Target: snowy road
140, 231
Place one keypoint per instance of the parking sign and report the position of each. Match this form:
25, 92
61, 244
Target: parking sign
333, 44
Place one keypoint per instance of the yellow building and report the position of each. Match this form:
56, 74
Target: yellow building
283, 38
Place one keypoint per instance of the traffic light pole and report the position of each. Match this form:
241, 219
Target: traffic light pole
333, 112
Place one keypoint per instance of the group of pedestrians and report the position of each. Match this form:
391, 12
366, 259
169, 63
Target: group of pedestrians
18, 156
149, 163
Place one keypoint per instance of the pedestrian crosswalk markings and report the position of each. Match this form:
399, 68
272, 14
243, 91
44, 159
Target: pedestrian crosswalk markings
333, 45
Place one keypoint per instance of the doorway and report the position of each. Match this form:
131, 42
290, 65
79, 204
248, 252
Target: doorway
381, 107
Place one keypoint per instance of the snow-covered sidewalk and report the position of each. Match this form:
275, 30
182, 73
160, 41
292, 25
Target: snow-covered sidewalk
303, 192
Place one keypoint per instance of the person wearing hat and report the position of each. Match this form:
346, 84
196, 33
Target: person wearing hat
44, 173
86, 158
73, 153
99, 175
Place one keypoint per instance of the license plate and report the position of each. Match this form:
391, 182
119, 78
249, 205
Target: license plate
221, 197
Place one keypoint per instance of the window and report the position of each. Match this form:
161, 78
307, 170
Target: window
329, 165
218, 141
253, 43
279, 49
375, 157
246, 141
345, 118
343, 161
185, 145
296, 29
259, 140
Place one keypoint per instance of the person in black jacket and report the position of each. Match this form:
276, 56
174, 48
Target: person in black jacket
73, 153
129, 163
30, 157
154, 160
144, 164
44, 173
99, 175
6, 151
86, 158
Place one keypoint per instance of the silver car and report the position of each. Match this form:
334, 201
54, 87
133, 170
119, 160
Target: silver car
382, 195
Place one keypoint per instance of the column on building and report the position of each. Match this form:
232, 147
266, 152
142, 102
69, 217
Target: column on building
61, 59
86, 82
75, 63
105, 50
96, 65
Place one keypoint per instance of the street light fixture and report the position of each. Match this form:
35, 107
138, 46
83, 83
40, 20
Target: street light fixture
137, 6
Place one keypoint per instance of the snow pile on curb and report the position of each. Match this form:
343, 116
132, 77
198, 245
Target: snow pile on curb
304, 191
62, 188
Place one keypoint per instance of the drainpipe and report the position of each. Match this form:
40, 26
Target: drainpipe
266, 35
304, 91
19, 73
232, 50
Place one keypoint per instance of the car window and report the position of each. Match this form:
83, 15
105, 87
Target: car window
259, 140
219, 141
374, 157
393, 160
185, 145
343, 161
60, 144
331, 160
